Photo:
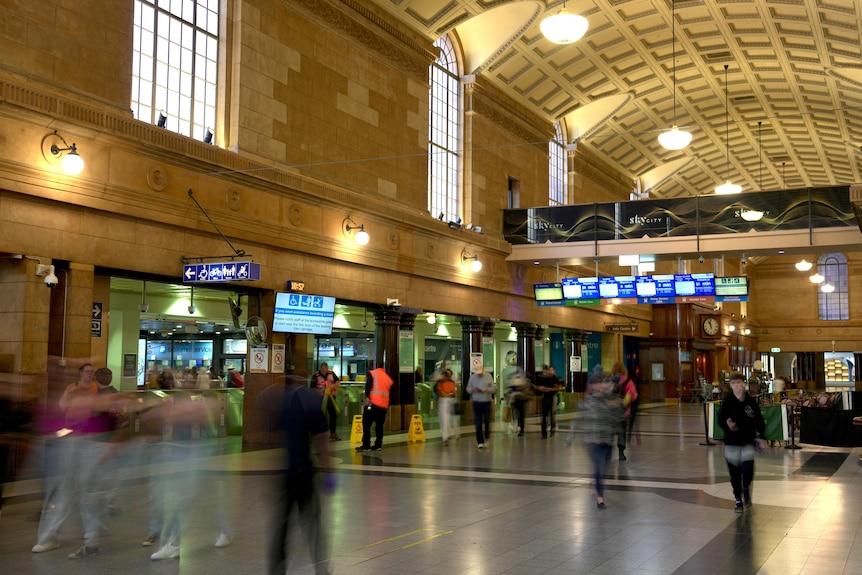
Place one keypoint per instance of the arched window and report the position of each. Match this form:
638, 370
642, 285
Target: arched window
557, 174
832, 304
444, 134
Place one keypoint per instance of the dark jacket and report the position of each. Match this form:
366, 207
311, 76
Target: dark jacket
747, 416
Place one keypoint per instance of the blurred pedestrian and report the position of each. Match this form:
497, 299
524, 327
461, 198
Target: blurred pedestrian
519, 390
301, 421
446, 390
548, 384
326, 383
377, 385
603, 411
625, 388
480, 387
742, 421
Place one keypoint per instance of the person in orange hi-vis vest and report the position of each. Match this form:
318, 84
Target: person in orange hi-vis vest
377, 386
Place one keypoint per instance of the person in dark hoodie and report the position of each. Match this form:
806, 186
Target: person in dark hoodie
742, 421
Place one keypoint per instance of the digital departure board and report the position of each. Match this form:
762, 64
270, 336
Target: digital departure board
548, 291
694, 284
731, 286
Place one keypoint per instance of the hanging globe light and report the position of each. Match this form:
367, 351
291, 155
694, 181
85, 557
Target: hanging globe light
563, 27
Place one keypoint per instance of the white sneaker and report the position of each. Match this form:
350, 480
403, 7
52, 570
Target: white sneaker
481, 446
42, 547
223, 540
168, 551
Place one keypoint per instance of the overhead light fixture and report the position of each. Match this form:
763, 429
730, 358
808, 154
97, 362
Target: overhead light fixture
674, 139
432, 318
816, 278
646, 267
208, 136
751, 215
727, 187
163, 120
475, 264
827, 288
564, 27
803, 266
361, 237
55, 147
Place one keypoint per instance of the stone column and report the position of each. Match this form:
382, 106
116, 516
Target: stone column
387, 324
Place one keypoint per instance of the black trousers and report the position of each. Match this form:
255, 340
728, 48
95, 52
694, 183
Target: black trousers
376, 416
549, 413
297, 489
332, 413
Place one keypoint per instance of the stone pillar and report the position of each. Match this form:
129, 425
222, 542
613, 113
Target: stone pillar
526, 352
575, 381
387, 324
471, 342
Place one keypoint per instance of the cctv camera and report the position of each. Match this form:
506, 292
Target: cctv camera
145, 308
700, 259
51, 280
192, 309
47, 273
744, 260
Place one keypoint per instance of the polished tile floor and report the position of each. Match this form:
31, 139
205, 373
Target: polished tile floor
523, 505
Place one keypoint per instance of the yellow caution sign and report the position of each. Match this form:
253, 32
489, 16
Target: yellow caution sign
417, 430
356, 430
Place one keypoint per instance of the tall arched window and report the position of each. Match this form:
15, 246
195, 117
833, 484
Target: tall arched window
833, 305
175, 64
444, 129
557, 174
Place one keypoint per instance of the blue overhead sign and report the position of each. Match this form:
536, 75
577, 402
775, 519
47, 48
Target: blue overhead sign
221, 272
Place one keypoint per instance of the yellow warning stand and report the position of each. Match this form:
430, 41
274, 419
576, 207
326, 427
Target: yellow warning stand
417, 430
356, 430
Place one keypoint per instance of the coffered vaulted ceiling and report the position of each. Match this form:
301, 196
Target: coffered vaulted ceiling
794, 82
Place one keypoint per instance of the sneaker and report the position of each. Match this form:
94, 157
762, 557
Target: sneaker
223, 540
42, 547
150, 540
378, 448
738, 507
168, 551
83, 551
481, 446
362, 449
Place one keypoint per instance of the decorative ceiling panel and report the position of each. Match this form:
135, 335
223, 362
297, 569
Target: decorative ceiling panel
794, 68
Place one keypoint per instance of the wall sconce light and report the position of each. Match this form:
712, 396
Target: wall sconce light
361, 237
208, 136
55, 147
163, 120
746, 331
475, 264
816, 278
732, 328
432, 318
803, 266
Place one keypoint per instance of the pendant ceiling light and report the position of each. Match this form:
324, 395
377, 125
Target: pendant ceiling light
726, 188
674, 139
827, 288
803, 266
816, 278
563, 27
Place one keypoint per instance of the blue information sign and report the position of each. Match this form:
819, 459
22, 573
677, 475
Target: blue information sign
221, 272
